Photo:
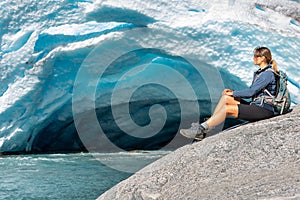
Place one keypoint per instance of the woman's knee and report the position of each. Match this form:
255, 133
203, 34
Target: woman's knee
232, 110
230, 100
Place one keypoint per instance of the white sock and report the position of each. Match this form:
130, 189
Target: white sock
205, 125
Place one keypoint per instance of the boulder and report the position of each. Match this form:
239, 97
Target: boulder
258, 160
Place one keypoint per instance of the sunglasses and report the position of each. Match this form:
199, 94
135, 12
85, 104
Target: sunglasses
257, 56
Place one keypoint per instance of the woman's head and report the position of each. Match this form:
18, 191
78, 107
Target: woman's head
264, 55
263, 52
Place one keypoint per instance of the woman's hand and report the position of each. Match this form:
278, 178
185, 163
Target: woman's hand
227, 92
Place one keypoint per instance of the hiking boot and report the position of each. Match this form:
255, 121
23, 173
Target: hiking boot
195, 124
196, 132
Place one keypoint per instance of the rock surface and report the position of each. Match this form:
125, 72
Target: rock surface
258, 160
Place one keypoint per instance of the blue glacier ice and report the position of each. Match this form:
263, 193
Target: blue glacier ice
103, 75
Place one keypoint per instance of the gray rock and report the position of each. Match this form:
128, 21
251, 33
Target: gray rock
258, 160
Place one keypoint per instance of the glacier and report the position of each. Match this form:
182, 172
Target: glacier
101, 75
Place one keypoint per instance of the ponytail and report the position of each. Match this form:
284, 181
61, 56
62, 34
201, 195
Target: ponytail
274, 65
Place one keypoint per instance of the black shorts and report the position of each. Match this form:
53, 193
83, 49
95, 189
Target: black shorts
253, 112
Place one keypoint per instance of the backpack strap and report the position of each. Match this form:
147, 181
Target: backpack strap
267, 91
276, 73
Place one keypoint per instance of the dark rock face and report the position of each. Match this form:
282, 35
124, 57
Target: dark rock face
259, 160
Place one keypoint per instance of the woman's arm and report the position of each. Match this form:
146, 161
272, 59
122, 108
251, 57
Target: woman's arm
263, 80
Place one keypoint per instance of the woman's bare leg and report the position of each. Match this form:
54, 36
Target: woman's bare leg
227, 106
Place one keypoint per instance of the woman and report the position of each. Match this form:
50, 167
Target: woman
231, 103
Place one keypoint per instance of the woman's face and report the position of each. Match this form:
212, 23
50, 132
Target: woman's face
258, 58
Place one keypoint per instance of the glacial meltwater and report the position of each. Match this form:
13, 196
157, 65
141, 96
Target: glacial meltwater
64, 176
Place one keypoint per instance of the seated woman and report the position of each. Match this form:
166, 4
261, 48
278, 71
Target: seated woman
231, 103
